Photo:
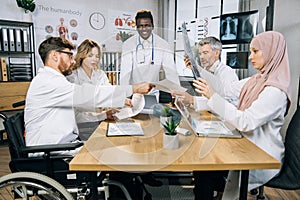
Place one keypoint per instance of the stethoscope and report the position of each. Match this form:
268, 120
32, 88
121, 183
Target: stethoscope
141, 60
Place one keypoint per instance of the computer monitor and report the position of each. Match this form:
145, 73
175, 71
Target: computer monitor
237, 60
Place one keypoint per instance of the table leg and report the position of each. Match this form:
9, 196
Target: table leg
94, 189
244, 184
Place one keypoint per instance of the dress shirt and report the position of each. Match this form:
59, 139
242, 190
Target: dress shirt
260, 123
222, 77
133, 72
79, 77
50, 101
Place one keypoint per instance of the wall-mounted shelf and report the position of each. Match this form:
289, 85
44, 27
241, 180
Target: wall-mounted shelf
16, 51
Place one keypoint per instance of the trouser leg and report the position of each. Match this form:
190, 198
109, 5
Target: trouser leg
206, 182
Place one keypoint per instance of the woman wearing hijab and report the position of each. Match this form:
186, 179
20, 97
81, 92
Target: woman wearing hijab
264, 100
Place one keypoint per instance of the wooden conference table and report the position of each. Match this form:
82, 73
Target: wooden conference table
146, 153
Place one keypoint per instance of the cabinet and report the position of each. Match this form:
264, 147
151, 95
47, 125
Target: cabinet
17, 61
12, 92
16, 51
111, 63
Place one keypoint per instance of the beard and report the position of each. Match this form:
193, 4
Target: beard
64, 68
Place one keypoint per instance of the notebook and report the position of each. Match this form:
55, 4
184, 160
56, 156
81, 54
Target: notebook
204, 127
150, 101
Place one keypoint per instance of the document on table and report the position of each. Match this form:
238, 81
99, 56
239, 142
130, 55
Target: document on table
124, 129
138, 102
210, 127
168, 86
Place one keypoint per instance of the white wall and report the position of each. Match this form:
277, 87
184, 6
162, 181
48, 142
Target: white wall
49, 12
287, 21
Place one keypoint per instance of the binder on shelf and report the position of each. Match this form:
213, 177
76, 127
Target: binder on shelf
20, 60
4, 39
18, 40
3, 67
114, 78
11, 39
25, 40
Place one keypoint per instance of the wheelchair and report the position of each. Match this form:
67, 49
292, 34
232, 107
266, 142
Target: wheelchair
48, 176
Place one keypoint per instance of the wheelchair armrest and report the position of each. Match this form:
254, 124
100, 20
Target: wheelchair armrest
51, 147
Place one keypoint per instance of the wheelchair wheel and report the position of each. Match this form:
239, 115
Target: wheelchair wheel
30, 185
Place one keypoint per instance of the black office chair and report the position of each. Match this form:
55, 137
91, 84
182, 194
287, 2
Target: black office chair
54, 166
289, 175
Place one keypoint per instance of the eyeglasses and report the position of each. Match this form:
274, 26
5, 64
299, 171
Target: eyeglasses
66, 52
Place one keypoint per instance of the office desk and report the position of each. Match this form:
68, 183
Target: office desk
145, 153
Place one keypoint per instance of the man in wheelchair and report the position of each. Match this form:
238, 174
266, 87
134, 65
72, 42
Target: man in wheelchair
50, 130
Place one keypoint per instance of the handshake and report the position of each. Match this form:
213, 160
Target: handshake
142, 88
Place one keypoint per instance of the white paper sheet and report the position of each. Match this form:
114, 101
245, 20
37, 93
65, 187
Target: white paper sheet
168, 86
138, 102
124, 128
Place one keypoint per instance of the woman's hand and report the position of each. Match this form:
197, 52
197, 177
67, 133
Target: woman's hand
186, 97
202, 87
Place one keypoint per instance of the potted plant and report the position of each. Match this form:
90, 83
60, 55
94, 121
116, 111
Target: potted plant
27, 5
170, 138
165, 115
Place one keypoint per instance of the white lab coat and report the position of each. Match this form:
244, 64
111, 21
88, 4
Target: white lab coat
50, 101
132, 72
79, 77
223, 74
260, 123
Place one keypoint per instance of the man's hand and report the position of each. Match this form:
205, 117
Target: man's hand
186, 97
110, 114
142, 88
202, 87
187, 62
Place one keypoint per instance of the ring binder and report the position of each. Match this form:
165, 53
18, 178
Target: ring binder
11, 40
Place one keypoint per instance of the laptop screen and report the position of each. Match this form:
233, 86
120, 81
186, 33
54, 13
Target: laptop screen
183, 110
209, 128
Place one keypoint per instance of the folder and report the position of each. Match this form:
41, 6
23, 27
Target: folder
18, 40
25, 40
4, 39
11, 40
3, 67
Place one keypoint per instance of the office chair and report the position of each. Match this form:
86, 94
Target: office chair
54, 166
289, 175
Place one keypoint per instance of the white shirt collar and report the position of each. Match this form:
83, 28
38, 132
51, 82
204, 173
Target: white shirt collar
212, 69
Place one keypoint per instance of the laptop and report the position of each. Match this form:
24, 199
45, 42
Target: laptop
205, 128
150, 101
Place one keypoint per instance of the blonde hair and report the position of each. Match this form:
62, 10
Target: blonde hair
83, 49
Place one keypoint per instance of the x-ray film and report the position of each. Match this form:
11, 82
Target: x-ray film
188, 51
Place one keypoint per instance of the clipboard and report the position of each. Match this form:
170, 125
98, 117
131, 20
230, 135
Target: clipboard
124, 129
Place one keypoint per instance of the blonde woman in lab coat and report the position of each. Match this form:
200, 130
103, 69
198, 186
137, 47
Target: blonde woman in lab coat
264, 100
87, 70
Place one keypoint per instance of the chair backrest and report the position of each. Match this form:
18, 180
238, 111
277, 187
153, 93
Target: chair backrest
289, 175
15, 128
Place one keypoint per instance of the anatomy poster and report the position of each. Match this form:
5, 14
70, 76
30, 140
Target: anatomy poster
122, 25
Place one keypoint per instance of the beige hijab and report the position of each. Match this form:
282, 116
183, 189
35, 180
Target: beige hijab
275, 72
